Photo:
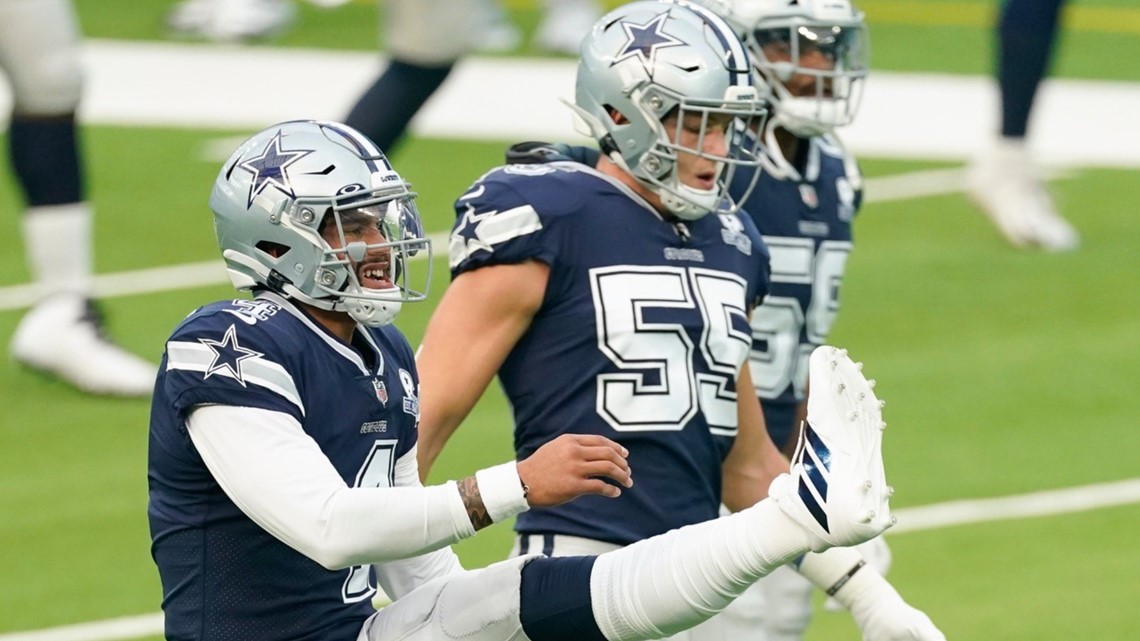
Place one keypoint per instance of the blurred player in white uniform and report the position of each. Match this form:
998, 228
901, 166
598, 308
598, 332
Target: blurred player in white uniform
63, 333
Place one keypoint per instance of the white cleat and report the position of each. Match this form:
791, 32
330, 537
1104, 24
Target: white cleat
63, 335
837, 489
1005, 186
231, 20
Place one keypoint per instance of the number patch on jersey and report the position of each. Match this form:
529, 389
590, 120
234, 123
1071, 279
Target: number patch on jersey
378, 470
664, 386
778, 357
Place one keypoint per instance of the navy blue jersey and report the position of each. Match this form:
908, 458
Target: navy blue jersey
223, 577
805, 218
639, 337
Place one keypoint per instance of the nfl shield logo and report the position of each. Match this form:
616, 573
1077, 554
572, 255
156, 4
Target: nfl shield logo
381, 391
807, 194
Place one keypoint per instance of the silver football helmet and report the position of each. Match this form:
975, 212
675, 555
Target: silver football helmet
648, 61
292, 186
824, 40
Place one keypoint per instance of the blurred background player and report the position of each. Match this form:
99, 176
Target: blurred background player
63, 333
811, 58
232, 20
563, 25
1004, 181
425, 39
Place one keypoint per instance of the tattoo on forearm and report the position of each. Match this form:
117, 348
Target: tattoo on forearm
473, 501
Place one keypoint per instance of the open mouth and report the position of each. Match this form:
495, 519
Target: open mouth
706, 179
375, 275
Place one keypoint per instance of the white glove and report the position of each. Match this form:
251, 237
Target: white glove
877, 554
876, 606
881, 613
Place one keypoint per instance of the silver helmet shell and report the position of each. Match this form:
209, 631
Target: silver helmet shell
781, 34
649, 60
284, 186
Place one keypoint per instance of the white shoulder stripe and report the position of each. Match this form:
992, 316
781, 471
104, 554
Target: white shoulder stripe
196, 357
490, 229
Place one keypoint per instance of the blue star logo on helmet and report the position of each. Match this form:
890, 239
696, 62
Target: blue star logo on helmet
269, 169
645, 40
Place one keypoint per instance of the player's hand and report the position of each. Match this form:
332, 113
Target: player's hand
572, 465
895, 620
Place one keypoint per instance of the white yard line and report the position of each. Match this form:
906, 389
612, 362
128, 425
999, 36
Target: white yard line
147, 281
189, 275
916, 519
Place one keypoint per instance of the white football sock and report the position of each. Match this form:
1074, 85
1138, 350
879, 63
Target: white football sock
671, 582
57, 240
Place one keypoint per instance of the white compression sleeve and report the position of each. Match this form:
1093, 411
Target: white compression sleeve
398, 578
671, 582
279, 477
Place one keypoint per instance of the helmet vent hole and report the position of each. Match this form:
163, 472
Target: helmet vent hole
276, 250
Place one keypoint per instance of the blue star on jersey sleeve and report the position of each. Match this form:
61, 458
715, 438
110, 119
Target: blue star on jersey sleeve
212, 360
495, 224
228, 355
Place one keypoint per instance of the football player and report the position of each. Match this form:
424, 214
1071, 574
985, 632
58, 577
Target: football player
810, 58
1003, 180
63, 333
282, 460
615, 297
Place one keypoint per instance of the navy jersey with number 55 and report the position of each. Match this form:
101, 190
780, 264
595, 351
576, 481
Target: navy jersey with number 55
223, 576
639, 338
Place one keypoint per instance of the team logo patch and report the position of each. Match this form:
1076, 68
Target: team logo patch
228, 356
733, 233
411, 399
381, 391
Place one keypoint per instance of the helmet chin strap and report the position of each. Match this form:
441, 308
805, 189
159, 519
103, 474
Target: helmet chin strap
684, 202
808, 117
366, 312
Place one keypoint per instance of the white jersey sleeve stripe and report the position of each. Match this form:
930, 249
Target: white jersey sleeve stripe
196, 357
491, 229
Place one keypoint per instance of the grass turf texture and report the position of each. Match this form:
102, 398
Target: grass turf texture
1005, 372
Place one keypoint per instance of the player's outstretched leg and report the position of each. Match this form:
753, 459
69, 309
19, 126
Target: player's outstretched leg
837, 489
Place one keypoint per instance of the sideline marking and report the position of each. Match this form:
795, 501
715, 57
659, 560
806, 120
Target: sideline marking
1048, 503
151, 280
919, 184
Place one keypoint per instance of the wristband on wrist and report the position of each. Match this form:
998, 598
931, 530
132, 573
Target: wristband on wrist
504, 494
838, 585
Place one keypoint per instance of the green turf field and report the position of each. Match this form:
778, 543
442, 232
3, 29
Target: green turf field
1005, 372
